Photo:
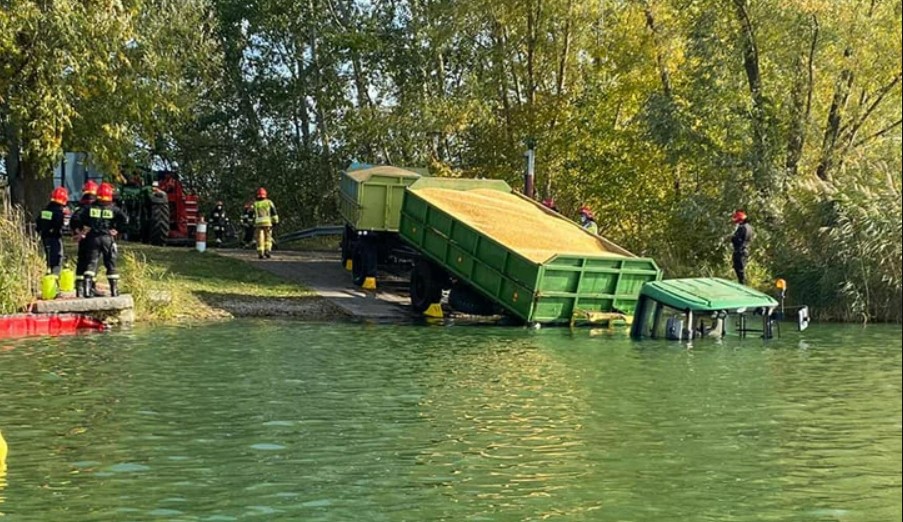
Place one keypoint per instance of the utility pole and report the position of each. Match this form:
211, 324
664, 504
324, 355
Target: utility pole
530, 156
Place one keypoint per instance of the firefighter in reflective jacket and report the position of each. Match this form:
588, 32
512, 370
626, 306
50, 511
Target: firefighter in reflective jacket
588, 220
264, 218
89, 196
100, 223
50, 225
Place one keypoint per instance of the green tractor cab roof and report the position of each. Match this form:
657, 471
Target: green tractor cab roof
706, 294
681, 309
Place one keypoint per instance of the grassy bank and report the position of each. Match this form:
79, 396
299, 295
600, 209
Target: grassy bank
170, 283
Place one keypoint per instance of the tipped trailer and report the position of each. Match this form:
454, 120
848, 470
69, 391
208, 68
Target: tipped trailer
496, 251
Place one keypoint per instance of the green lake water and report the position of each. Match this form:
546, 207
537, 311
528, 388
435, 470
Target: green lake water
271, 420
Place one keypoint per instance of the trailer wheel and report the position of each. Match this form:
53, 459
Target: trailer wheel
426, 286
347, 245
363, 263
467, 301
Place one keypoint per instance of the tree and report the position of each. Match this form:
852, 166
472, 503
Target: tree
102, 77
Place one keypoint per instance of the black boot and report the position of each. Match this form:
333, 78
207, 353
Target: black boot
114, 287
88, 286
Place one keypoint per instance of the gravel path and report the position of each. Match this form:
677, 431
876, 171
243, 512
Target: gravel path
322, 272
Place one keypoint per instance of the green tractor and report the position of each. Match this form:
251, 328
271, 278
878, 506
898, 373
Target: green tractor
147, 207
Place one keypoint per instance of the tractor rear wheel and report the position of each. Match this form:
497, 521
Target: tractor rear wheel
159, 223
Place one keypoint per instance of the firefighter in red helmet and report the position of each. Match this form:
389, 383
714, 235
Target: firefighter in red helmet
50, 223
265, 217
100, 224
89, 196
743, 236
588, 220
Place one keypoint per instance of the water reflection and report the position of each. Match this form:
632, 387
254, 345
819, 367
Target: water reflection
288, 421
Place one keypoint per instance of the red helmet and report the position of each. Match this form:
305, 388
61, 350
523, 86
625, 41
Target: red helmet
585, 211
738, 216
60, 195
261, 193
105, 192
549, 202
90, 188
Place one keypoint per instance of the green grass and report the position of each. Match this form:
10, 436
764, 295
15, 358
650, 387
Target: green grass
195, 282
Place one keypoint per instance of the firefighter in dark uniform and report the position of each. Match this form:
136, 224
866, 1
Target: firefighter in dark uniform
102, 220
89, 196
50, 223
247, 224
218, 221
741, 239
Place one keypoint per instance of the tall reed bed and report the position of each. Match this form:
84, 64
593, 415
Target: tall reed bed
21, 261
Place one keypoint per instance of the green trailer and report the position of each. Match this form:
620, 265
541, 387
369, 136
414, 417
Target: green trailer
370, 199
483, 275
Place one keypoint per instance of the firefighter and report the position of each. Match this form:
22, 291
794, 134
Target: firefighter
588, 220
247, 225
264, 218
219, 221
89, 196
549, 203
50, 224
741, 239
101, 222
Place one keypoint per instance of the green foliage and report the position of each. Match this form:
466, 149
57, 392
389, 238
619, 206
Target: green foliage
662, 115
842, 250
21, 262
100, 77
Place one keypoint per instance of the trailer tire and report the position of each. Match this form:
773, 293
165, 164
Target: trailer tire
347, 245
466, 300
426, 286
363, 263
159, 223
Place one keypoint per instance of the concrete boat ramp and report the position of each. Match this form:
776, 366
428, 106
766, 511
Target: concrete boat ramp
322, 272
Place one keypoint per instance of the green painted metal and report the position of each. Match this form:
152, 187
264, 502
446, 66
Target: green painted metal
370, 198
556, 291
706, 294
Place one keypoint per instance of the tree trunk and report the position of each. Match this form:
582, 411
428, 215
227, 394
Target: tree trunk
835, 115
801, 106
761, 167
659, 55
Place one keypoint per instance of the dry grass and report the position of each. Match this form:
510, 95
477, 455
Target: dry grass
514, 222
